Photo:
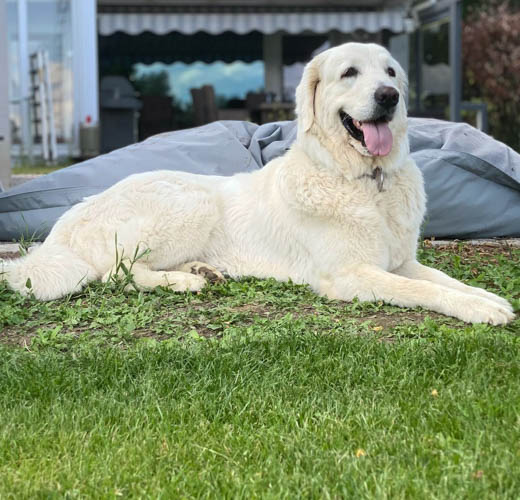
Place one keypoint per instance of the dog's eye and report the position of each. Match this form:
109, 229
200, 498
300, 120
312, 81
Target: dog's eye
351, 72
390, 71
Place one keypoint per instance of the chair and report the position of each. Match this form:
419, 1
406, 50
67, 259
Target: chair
205, 108
253, 104
204, 105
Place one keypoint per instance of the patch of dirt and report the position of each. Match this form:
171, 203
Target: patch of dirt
268, 311
148, 334
9, 255
13, 337
384, 322
260, 309
388, 320
466, 250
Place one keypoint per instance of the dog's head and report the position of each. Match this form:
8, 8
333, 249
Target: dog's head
354, 95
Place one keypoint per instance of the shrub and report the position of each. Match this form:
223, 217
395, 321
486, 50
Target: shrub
491, 55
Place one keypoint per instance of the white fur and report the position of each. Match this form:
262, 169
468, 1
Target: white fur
312, 216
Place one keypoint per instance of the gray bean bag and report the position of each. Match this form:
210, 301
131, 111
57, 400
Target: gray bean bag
472, 181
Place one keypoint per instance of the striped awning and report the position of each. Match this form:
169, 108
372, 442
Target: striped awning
242, 23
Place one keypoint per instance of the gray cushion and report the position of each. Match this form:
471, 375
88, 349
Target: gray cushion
472, 181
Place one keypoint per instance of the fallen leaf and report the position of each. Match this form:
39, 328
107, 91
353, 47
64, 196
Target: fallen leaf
360, 452
164, 445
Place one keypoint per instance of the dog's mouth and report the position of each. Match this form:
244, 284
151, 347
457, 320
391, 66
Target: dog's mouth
374, 135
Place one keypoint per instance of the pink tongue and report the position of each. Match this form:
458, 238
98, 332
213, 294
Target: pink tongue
378, 138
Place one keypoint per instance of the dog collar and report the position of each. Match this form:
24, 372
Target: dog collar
378, 176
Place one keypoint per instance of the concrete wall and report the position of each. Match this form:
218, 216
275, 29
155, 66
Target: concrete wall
5, 162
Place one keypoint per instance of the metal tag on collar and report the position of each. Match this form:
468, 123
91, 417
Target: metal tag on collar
379, 177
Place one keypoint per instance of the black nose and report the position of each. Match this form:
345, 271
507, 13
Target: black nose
387, 97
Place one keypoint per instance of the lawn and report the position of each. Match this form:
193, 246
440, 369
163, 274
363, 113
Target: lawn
259, 389
38, 168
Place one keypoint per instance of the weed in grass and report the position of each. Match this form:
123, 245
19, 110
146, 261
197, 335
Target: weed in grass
121, 277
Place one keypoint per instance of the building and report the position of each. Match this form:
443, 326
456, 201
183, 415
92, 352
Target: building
67, 30
88, 39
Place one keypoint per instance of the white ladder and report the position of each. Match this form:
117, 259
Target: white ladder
43, 111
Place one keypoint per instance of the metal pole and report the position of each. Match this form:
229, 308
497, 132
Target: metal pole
5, 149
418, 69
25, 95
456, 60
44, 112
85, 67
53, 147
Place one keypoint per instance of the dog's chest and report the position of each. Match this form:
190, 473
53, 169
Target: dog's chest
383, 226
401, 207
396, 205
401, 210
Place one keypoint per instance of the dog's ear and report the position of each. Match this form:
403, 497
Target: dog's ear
306, 94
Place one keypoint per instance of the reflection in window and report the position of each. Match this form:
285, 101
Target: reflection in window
230, 80
435, 92
430, 72
14, 75
49, 24
49, 29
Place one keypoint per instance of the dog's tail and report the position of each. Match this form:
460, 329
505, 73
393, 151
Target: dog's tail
48, 272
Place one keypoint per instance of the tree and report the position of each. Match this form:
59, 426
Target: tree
156, 84
471, 6
491, 55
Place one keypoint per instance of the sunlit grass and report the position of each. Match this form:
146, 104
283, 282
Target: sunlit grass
258, 389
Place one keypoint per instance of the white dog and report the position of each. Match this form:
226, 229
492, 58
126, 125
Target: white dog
340, 211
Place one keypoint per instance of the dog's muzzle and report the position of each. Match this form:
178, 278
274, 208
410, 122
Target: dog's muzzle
375, 134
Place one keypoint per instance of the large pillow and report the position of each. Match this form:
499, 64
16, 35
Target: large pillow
472, 181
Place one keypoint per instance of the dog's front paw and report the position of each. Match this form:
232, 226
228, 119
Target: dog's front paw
492, 297
481, 310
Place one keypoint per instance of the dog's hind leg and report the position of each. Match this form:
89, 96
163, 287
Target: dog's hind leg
145, 278
48, 272
207, 271
174, 222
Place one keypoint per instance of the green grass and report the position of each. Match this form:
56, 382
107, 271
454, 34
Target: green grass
38, 168
260, 389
